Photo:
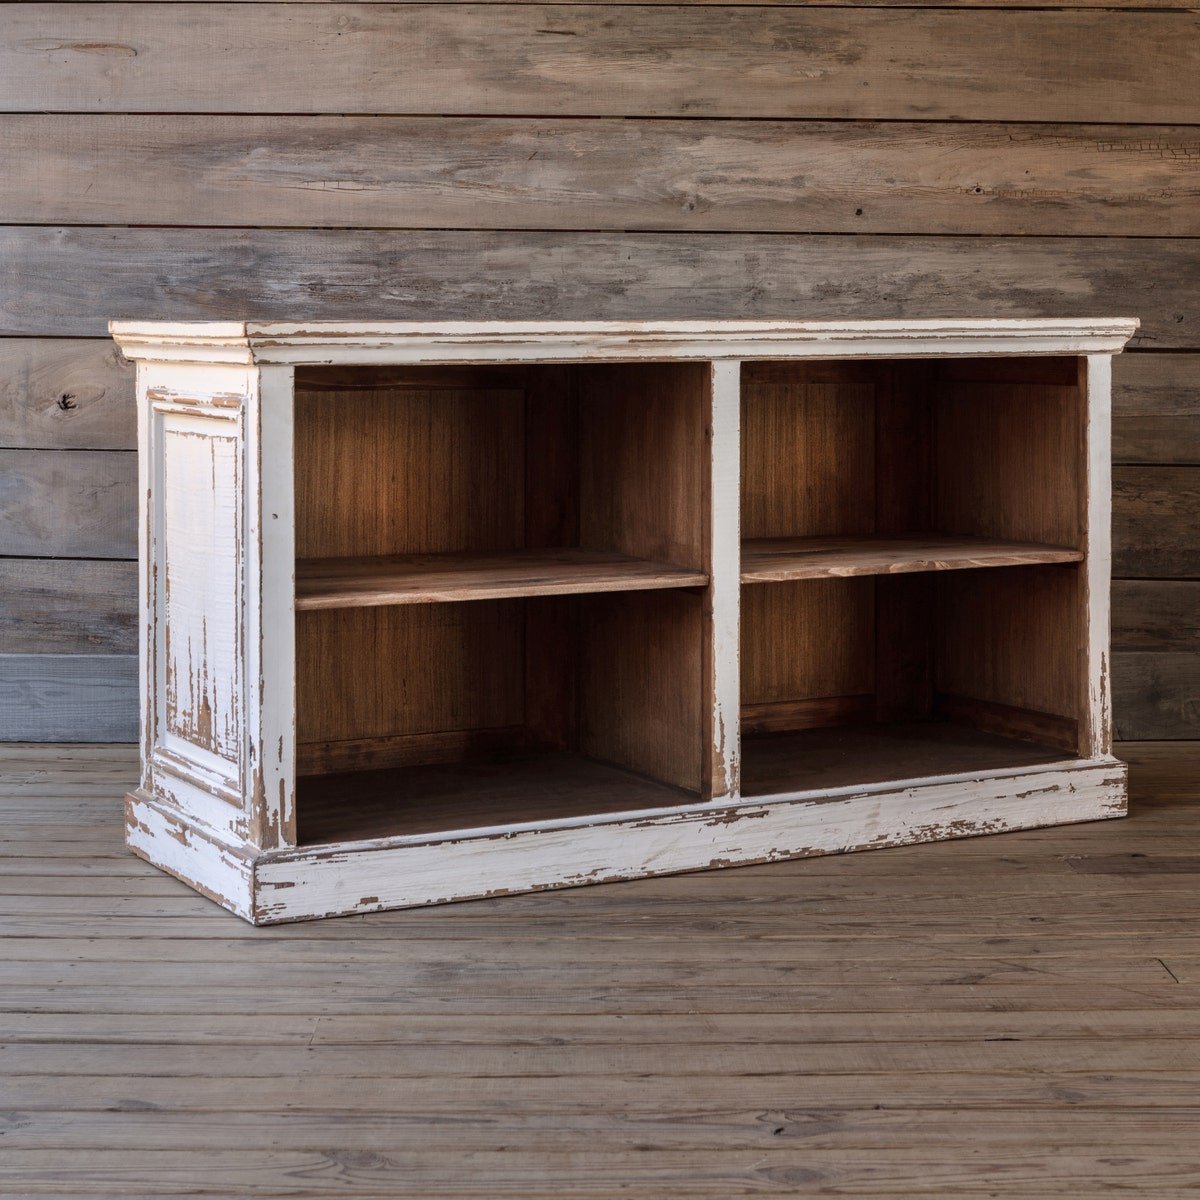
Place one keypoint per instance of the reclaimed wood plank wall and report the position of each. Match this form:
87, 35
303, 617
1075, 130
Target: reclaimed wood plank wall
964, 158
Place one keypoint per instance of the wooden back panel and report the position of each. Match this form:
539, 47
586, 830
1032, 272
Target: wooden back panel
1009, 451
808, 448
409, 468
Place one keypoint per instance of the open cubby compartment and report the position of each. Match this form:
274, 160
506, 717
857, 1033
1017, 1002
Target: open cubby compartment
500, 595
914, 598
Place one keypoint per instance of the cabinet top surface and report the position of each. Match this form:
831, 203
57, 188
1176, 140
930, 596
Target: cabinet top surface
334, 342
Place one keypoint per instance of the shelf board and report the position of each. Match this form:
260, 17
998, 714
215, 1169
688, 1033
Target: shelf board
773, 560
450, 797
443, 578
863, 755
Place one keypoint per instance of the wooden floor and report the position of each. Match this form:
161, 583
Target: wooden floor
1014, 1016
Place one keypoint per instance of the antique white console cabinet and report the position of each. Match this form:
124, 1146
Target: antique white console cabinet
441, 611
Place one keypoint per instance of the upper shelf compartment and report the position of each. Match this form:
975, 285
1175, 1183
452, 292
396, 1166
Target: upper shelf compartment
882, 467
434, 578
776, 560
419, 485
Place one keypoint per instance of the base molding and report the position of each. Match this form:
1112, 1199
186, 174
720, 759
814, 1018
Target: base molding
162, 835
336, 879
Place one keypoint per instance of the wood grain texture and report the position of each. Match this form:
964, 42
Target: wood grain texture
585, 60
457, 796
72, 281
1155, 614
425, 579
808, 449
370, 672
73, 503
1008, 461
1156, 409
1156, 512
642, 448
1012, 637
767, 560
860, 755
807, 640
65, 395
93, 696
67, 606
546, 173
1156, 694
460, 486
642, 691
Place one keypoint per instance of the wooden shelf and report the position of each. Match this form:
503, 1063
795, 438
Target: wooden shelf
450, 797
863, 755
773, 560
438, 578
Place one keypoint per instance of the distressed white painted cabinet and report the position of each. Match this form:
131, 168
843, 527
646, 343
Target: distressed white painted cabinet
441, 611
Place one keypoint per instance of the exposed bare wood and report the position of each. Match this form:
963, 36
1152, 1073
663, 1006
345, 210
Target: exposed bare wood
66, 606
1156, 694
1155, 614
543, 173
767, 560
1012, 637
1156, 409
71, 281
80, 503
424, 579
41, 694
1152, 509
66, 394
591, 60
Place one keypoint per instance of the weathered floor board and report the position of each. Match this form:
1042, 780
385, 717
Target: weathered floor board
1014, 1016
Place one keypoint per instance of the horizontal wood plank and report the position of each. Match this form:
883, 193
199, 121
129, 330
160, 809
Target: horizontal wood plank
1156, 408
1156, 614
1156, 695
73, 503
65, 394
629, 60
433, 578
773, 560
68, 697
542, 173
68, 606
1156, 513
71, 282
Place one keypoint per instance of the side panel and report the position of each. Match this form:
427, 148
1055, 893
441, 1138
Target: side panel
217, 580
192, 561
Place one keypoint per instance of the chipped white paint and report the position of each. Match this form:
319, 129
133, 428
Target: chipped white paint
725, 586
222, 871
399, 873
1097, 724
332, 342
216, 802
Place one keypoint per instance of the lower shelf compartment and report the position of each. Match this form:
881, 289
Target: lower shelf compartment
445, 797
776, 764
